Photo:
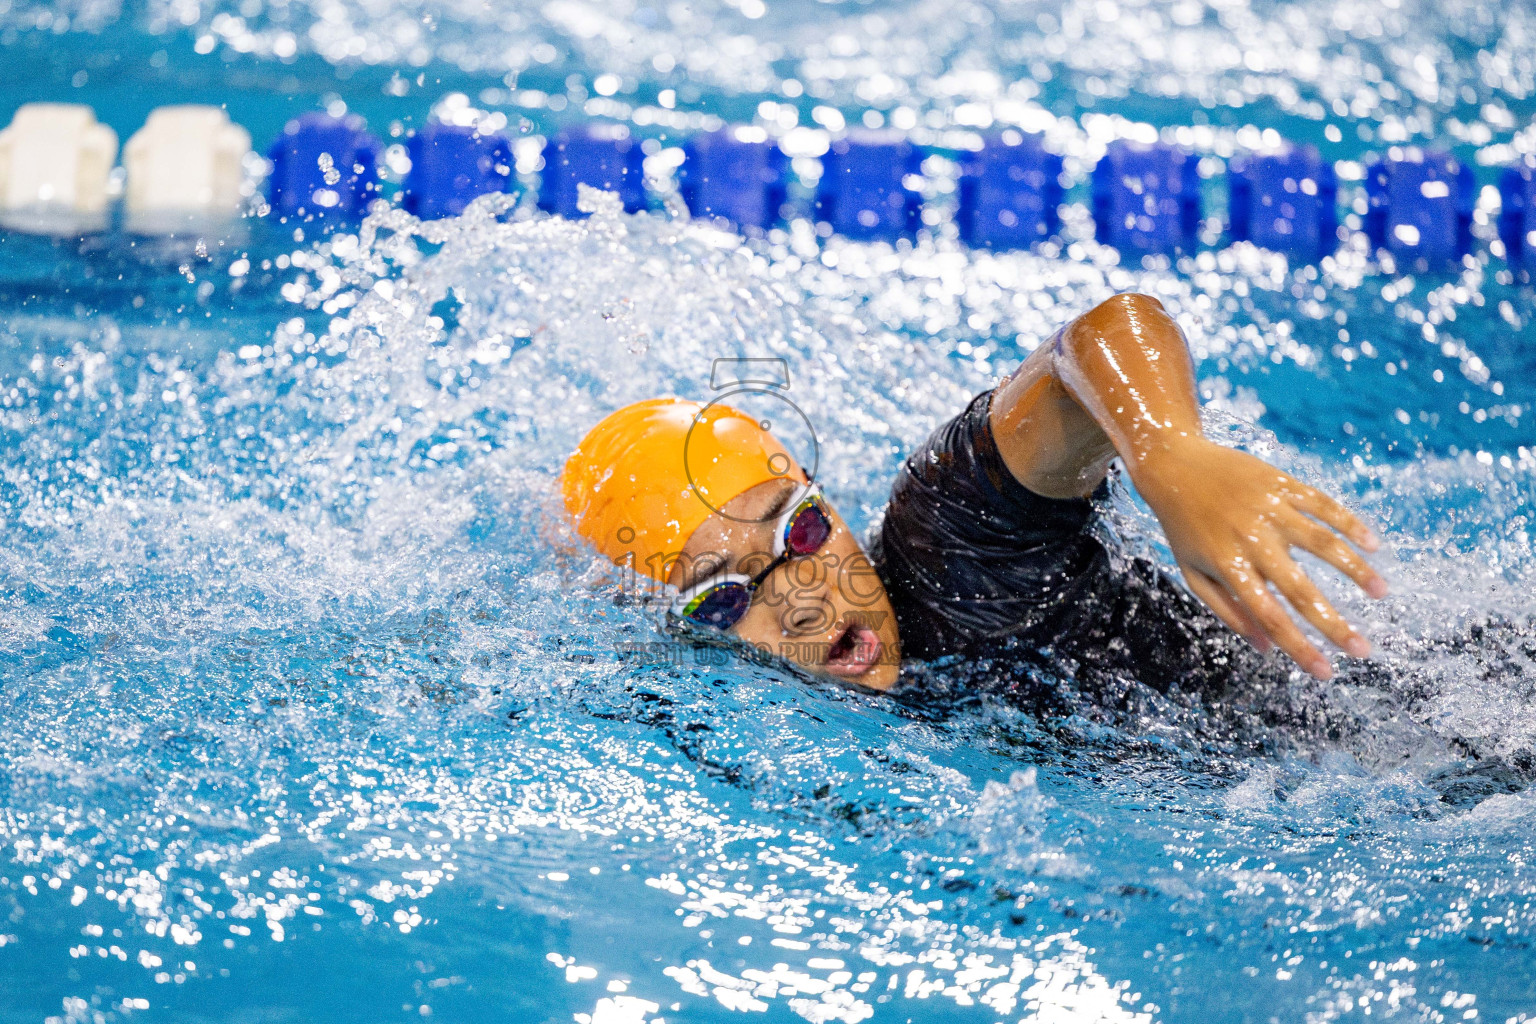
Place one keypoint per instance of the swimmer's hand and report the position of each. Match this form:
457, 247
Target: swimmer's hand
1233, 520
1118, 382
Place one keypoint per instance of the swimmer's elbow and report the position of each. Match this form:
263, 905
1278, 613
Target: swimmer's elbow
1132, 318
1129, 330
1132, 304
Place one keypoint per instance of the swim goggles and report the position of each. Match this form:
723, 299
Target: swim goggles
721, 601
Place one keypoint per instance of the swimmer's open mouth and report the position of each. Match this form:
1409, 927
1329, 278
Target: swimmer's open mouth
856, 650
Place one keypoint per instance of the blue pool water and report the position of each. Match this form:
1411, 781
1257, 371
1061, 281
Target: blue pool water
310, 710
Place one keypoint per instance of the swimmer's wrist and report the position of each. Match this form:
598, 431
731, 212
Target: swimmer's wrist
1163, 455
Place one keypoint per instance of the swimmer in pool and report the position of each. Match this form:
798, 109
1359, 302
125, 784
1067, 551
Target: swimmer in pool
986, 548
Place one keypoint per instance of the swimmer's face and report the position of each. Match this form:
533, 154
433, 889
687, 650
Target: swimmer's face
826, 612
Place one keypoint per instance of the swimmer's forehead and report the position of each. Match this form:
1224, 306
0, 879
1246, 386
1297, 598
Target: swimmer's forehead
722, 542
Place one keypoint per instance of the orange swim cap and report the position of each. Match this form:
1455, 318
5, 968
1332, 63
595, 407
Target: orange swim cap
627, 484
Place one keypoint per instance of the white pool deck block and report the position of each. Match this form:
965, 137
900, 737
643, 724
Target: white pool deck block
187, 165
55, 169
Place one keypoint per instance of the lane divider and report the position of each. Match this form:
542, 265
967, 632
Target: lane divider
324, 166
55, 168
1517, 217
869, 187
453, 165
600, 156
1286, 201
1010, 192
189, 168
1146, 198
186, 169
1419, 207
735, 175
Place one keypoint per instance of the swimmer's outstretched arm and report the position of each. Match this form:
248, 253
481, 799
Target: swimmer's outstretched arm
1118, 382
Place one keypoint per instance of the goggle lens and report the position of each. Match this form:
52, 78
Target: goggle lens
720, 607
808, 531
725, 604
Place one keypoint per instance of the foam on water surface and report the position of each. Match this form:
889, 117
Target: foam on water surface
1392, 63
305, 669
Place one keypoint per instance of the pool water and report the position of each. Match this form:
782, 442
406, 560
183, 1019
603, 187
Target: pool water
313, 709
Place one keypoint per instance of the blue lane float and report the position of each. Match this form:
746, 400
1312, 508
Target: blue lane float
323, 167
864, 192
1146, 198
1285, 201
1419, 207
453, 165
1009, 193
735, 175
1517, 218
599, 156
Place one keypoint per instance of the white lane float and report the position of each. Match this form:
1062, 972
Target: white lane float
187, 171
55, 170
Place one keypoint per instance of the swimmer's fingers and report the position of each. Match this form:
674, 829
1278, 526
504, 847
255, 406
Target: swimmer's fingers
1325, 544
1250, 587
1216, 597
1324, 509
1297, 588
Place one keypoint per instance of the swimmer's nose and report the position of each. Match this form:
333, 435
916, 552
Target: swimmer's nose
809, 616
809, 599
